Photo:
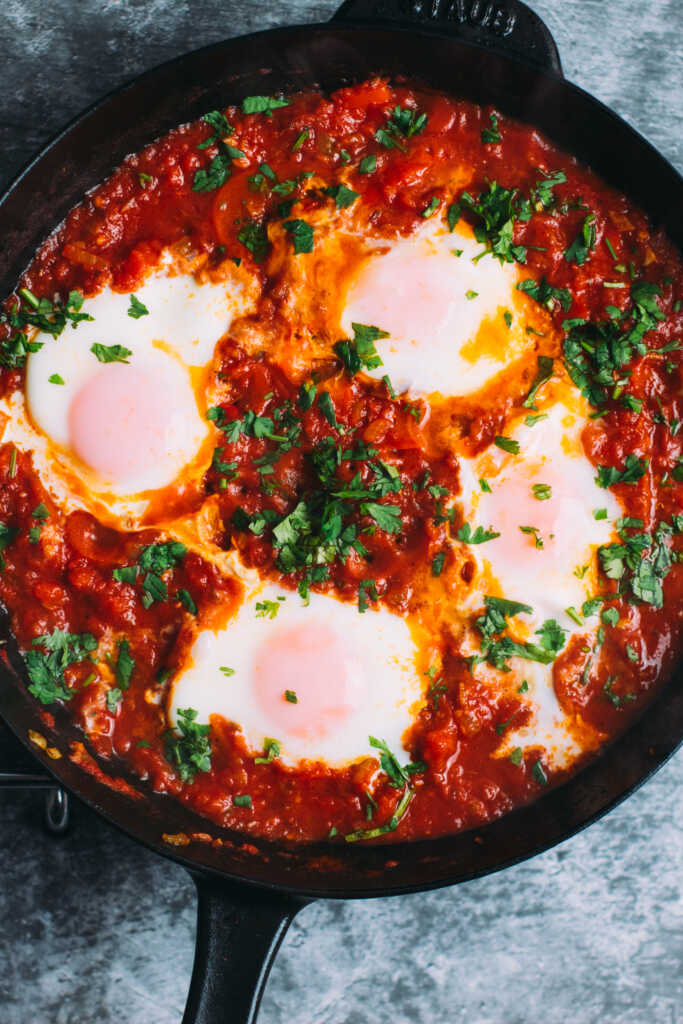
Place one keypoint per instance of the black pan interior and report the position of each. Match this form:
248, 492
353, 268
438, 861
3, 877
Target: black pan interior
329, 57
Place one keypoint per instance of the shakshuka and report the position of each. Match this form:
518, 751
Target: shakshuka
341, 466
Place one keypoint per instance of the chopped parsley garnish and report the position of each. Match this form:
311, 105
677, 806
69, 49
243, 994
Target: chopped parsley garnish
153, 560
342, 196
477, 536
545, 294
610, 616
326, 406
543, 375
437, 687
534, 532
453, 215
188, 749
263, 104
485, 485
592, 606
268, 609
573, 615
301, 233
507, 317
365, 588
400, 777
612, 697
507, 444
220, 126
403, 123
112, 698
495, 211
431, 207
226, 670
517, 756
438, 562
306, 396
111, 353
360, 352
491, 135
583, 244
242, 801
254, 237
206, 179
300, 139
7, 535
596, 353
538, 774
634, 469
55, 379
368, 164
125, 665
530, 421
271, 750
542, 492
599, 513
44, 315
640, 562
497, 648
291, 697
187, 601
46, 668
542, 194
137, 308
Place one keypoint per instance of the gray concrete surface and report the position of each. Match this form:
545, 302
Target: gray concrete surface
95, 929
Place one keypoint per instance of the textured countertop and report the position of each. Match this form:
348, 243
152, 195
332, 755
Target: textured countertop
97, 929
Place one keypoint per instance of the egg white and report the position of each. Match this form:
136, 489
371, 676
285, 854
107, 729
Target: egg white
385, 686
434, 292
560, 575
184, 322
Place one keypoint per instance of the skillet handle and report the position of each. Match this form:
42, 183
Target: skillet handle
507, 27
239, 931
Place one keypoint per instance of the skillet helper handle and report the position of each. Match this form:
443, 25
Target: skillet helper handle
507, 27
239, 931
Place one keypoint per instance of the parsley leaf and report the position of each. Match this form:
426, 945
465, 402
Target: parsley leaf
634, 469
403, 123
46, 668
478, 536
543, 374
545, 294
342, 195
137, 309
188, 748
263, 104
301, 234
254, 237
112, 698
507, 444
360, 352
491, 135
271, 749
124, 665
111, 353
583, 244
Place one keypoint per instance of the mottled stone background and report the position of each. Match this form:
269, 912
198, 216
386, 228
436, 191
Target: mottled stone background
95, 929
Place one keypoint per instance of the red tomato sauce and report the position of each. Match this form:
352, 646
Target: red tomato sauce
64, 581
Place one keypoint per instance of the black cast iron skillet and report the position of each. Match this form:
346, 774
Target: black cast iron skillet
495, 52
